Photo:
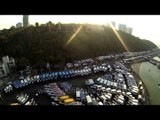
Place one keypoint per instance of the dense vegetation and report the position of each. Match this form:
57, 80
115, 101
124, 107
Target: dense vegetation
36, 45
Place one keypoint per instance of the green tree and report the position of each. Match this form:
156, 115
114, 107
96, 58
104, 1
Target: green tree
37, 24
36, 46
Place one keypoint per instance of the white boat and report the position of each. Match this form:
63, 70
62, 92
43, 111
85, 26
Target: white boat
89, 100
100, 103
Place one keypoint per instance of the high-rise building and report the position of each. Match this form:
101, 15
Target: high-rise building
25, 21
122, 27
19, 24
7, 65
128, 30
3, 71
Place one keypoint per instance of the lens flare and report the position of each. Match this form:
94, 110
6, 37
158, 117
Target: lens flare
119, 37
74, 35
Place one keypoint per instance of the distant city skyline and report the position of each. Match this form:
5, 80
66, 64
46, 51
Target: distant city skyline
25, 21
144, 26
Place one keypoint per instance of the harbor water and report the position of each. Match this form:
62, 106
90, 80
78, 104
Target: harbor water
150, 75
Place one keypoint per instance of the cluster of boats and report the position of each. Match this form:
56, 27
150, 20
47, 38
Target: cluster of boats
80, 63
21, 83
8, 88
81, 94
100, 95
89, 82
154, 62
110, 82
23, 99
107, 96
116, 88
53, 91
65, 86
102, 68
132, 85
30, 80
58, 95
35, 79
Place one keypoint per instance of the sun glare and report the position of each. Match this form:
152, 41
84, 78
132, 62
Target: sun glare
74, 35
139, 23
119, 37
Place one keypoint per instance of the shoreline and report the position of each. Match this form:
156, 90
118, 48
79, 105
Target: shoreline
138, 79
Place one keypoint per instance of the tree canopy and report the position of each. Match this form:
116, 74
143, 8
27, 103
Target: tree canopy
36, 45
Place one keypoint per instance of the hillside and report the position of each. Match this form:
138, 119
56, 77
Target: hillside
47, 43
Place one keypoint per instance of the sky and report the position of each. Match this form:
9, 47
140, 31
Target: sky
144, 26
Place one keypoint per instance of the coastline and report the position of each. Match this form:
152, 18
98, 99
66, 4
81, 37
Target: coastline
138, 79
